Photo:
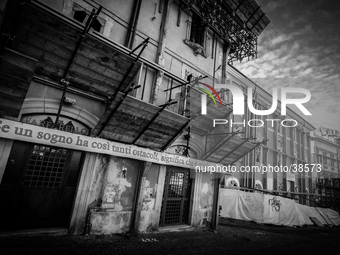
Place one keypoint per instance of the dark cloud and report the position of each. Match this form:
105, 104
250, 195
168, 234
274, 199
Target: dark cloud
300, 48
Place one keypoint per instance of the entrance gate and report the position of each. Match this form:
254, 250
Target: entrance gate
176, 197
38, 186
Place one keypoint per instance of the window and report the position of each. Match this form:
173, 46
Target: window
279, 159
258, 154
294, 134
196, 35
295, 150
264, 155
279, 143
45, 167
279, 128
290, 186
197, 31
80, 14
325, 160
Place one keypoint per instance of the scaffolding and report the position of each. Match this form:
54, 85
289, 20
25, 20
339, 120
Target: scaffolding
238, 22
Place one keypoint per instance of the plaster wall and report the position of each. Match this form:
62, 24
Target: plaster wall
112, 194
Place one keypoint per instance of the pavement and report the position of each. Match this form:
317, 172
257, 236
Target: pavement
232, 237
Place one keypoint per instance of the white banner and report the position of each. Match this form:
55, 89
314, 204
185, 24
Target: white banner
271, 209
36, 134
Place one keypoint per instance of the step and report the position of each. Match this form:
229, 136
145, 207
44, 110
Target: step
36, 232
175, 228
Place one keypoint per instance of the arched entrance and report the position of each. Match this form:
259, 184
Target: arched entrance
176, 197
39, 182
38, 186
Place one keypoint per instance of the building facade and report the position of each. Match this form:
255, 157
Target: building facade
102, 127
281, 145
326, 147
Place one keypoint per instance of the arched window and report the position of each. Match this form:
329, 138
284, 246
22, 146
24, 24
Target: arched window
232, 182
258, 184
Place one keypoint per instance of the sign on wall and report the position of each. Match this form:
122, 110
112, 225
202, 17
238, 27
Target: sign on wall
64, 123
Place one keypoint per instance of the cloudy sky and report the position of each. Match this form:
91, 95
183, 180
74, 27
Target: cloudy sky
301, 48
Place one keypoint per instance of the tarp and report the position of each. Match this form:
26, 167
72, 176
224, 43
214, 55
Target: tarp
272, 209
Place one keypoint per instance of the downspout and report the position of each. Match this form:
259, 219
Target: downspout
216, 40
254, 134
214, 221
216, 211
160, 50
133, 24
135, 214
225, 63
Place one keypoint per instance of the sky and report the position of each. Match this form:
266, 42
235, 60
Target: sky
301, 48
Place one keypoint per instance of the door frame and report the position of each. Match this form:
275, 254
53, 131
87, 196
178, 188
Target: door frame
162, 213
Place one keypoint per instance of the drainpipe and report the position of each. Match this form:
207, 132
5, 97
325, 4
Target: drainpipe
215, 211
138, 198
130, 37
226, 51
160, 50
214, 67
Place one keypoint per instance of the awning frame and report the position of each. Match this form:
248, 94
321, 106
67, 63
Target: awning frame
143, 45
63, 80
233, 150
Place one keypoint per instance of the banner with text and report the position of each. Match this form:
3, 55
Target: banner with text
36, 134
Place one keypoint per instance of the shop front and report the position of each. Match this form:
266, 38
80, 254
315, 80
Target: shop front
59, 179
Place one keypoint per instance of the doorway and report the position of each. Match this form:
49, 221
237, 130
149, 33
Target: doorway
38, 186
176, 197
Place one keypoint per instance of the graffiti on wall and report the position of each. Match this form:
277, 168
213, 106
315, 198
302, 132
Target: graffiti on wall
148, 197
117, 184
275, 204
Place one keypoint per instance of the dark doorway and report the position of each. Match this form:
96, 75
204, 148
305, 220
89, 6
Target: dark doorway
38, 186
176, 197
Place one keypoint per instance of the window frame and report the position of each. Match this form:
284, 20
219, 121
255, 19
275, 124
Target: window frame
76, 7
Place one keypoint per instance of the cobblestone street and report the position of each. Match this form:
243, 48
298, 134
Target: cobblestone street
233, 237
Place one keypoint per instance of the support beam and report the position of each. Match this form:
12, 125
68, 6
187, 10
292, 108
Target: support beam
215, 211
238, 5
199, 78
179, 132
228, 154
258, 144
160, 58
257, 21
150, 122
64, 81
144, 44
219, 145
116, 107
252, 15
